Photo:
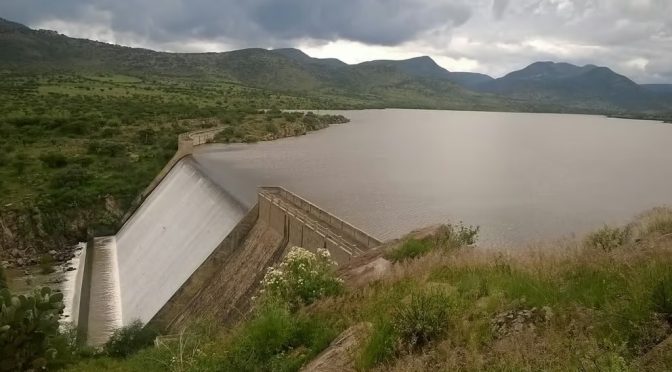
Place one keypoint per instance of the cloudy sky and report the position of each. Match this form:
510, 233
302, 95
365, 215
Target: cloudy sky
633, 37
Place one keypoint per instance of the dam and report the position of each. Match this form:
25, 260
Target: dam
190, 250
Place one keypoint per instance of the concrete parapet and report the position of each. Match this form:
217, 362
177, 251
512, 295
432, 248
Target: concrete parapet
348, 230
310, 227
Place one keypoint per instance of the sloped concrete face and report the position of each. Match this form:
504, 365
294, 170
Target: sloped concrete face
177, 227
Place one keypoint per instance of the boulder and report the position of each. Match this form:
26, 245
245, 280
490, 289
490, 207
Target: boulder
341, 353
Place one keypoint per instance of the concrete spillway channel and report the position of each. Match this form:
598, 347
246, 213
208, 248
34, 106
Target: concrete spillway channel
192, 251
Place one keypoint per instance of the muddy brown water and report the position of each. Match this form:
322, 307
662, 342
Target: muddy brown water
521, 177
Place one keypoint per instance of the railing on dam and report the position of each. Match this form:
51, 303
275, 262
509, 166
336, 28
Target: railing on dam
348, 230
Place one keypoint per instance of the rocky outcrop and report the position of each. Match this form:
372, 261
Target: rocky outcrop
341, 353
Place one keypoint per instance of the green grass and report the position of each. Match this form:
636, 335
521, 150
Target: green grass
466, 309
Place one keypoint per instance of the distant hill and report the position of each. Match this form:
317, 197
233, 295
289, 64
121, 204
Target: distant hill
574, 86
425, 67
413, 83
658, 88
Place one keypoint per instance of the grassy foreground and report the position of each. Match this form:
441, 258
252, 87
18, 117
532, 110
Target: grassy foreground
603, 303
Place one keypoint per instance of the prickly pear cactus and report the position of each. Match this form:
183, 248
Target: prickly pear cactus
27, 325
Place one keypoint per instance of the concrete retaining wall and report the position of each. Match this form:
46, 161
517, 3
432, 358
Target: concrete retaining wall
304, 233
327, 218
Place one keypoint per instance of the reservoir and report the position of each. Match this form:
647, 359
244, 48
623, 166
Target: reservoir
521, 177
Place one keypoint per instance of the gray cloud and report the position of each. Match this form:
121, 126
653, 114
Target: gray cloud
634, 37
499, 7
383, 22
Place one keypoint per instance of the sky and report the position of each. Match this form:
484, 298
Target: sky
633, 37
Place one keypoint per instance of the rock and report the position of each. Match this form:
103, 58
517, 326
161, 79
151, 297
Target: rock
53, 252
341, 353
20, 262
16, 253
516, 321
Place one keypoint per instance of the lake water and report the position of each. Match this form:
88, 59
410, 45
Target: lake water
519, 176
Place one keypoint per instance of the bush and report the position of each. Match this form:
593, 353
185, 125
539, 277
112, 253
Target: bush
29, 331
70, 178
456, 236
380, 347
660, 223
301, 278
608, 238
422, 320
106, 148
446, 237
54, 160
661, 297
275, 339
410, 249
130, 339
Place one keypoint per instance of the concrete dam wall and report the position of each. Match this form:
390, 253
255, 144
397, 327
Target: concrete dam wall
192, 251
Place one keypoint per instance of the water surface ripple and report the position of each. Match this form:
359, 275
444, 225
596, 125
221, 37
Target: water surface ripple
519, 176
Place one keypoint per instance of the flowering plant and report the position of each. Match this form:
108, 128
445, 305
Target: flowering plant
301, 278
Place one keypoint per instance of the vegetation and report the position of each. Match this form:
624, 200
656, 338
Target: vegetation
279, 335
29, 331
301, 278
76, 149
130, 339
568, 306
608, 238
447, 237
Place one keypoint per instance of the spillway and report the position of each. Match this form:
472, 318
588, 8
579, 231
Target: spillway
174, 231
133, 274
191, 250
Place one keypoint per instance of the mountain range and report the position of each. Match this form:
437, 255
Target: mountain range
412, 83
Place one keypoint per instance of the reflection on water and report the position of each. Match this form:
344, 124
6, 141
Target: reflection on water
520, 176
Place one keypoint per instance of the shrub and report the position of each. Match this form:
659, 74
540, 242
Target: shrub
29, 330
455, 236
70, 178
446, 237
275, 339
130, 339
106, 148
661, 297
660, 223
410, 249
608, 238
380, 347
54, 160
422, 320
301, 278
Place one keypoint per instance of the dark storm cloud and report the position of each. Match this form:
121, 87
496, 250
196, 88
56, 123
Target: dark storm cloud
634, 37
384, 22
